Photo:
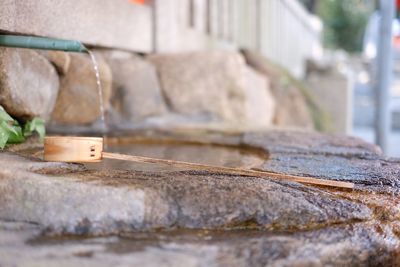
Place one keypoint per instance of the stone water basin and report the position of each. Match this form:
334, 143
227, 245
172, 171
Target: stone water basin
104, 214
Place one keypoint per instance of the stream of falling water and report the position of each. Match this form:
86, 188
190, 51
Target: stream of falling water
100, 92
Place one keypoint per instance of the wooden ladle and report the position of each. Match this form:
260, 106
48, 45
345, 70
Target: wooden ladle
90, 149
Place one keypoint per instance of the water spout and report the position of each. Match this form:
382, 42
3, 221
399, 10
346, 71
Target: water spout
41, 43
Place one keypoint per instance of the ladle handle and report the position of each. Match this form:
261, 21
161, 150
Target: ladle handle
238, 171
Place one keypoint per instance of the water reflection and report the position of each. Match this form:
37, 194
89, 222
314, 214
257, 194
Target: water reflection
206, 154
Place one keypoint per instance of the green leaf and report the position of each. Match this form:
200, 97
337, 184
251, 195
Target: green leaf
4, 133
16, 135
36, 125
13, 132
4, 115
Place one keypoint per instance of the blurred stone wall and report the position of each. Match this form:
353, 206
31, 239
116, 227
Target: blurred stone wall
166, 63
216, 90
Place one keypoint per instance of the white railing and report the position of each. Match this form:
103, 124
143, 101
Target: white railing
282, 30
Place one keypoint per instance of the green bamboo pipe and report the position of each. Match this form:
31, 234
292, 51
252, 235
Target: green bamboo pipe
41, 43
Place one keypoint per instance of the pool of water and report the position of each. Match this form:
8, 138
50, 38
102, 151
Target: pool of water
217, 155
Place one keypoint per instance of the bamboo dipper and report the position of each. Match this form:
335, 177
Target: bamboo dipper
90, 149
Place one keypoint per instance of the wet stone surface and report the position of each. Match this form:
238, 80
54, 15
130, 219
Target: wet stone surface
169, 217
331, 157
362, 244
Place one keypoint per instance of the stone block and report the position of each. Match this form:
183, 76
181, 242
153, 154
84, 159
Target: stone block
292, 109
204, 84
60, 60
28, 84
78, 101
260, 104
136, 93
95, 22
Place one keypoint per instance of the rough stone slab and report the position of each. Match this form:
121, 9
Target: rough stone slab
211, 219
354, 245
307, 142
111, 201
328, 156
20, 246
11, 161
207, 200
104, 207
360, 171
118, 24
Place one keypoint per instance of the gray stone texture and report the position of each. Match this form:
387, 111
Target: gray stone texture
215, 85
60, 60
78, 100
292, 109
207, 84
136, 93
178, 198
94, 22
361, 244
28, 84
260, 104
139, 200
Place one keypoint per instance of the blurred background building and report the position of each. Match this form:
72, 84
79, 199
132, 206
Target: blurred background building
281, 29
